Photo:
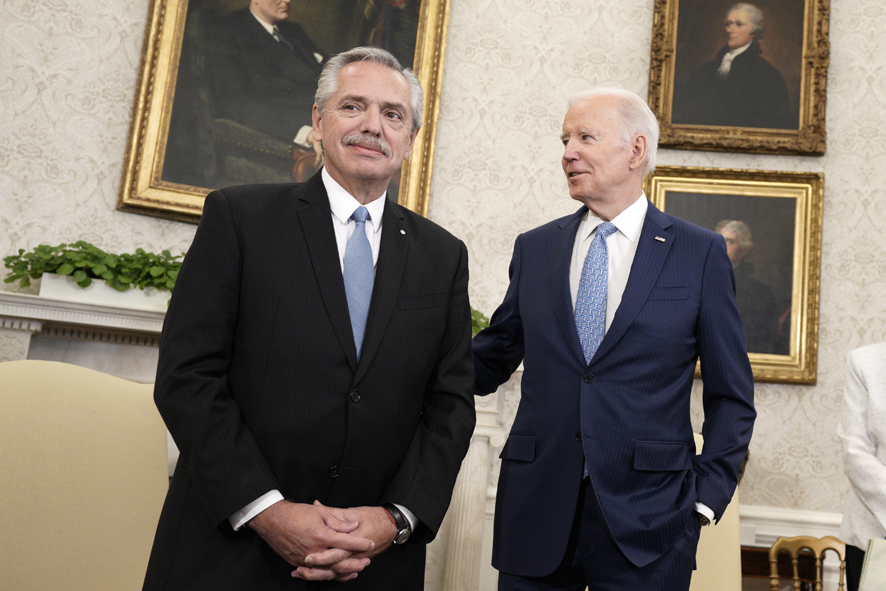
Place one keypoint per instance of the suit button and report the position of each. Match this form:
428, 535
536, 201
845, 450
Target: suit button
588, 378
333, 472
355, 396
578, 436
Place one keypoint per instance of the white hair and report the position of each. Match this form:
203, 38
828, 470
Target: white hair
636, 118
755, 13
741, 230
328, 83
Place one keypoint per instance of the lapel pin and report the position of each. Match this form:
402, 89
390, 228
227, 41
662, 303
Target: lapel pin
659, 238
403, 232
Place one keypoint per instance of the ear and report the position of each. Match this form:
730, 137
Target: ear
411, 143
316, 132
638, 152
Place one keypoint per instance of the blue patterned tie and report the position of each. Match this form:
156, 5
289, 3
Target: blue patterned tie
359, 276
590, 304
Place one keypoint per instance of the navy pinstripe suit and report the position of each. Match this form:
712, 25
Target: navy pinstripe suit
627, 411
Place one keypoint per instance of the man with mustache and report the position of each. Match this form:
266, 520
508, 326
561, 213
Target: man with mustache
315, 365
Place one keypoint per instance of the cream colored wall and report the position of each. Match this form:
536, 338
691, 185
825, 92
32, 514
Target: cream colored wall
67, 81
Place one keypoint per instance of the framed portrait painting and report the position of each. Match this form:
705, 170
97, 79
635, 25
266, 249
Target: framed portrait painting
741, 76
771, 222
225, 95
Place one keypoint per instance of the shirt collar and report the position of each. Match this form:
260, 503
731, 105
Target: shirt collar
737, 51
267, 26
343, 204
629, 222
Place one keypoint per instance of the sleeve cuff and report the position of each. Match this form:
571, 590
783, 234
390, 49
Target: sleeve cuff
241, 517
410, 516
704, 510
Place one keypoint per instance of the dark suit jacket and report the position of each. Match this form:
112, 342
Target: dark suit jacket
628, 411
258, 82
260, 387
753, 94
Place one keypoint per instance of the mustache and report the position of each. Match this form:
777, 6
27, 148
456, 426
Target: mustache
368, 141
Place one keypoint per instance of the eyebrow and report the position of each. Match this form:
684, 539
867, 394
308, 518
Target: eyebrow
565, 135
362, 99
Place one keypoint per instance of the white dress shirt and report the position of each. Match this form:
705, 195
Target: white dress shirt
343, 205
622, 246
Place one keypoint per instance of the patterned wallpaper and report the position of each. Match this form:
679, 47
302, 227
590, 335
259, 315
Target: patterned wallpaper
67, 83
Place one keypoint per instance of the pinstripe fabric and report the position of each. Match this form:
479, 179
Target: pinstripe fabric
627, 411
259, 383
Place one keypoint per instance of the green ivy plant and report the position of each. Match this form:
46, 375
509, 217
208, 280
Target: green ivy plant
478, 321
85, 262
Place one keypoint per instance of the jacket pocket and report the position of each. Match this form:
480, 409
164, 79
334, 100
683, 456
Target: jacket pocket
669, 293
519, 447
430, 300
662, 456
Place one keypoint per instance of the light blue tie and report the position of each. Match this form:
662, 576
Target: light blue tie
359, 276
590, 304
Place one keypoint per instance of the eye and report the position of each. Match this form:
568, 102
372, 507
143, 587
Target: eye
394, 115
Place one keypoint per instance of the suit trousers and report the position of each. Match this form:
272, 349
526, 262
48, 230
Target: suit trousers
592, 560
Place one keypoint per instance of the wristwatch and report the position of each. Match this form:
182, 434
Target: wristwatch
400, 521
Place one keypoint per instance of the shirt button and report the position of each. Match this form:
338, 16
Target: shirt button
333, 472
355, 396
588, 378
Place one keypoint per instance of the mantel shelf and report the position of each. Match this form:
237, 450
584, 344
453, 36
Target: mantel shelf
30, 308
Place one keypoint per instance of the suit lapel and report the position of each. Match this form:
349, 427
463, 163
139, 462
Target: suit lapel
386, 289
561, 296
316, 222
648, 262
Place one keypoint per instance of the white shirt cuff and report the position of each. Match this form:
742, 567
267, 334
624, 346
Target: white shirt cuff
704, 510
410, 516
241, 517
303, 137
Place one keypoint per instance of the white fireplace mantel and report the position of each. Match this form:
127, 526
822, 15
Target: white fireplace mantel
25, 312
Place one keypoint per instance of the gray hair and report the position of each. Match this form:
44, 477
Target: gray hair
755, 13
741, 230
328, 83
636, 119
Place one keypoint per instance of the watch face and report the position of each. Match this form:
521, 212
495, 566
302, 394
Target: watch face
402, 536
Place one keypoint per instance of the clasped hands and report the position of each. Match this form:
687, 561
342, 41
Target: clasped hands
325, 543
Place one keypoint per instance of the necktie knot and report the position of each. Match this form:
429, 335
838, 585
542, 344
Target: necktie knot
360, 215
606, 229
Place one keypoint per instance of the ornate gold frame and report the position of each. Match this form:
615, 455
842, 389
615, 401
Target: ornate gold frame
811, 136
806, 189
142, 190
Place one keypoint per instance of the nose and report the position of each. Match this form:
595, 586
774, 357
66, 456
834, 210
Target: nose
570, 154
371, 123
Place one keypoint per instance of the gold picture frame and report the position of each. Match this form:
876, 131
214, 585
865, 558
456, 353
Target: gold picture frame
778, 277
144, 189
771, 102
